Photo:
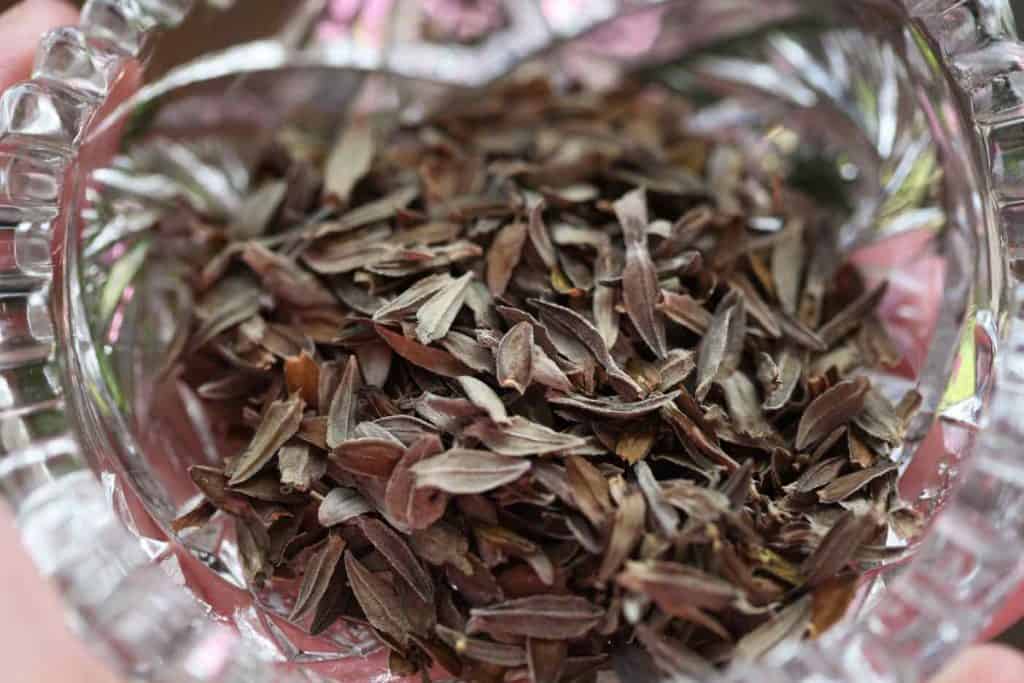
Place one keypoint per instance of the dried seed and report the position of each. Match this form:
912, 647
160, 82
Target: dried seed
789, 624
519, 436
350, 158
322, 575
391, 546
515, 357
341, 505
546, 659
344, 404
258, 210
462, 471
435, 317
625, 536
484, 398
834, 408
613, 408
379, 601
673, 586
430, 359
844, 487
540, 616
499, 654
721, 346
279, 424
368, 457
504, 255
640, 290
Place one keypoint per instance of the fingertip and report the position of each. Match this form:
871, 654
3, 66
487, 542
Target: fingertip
985, 663
21, 26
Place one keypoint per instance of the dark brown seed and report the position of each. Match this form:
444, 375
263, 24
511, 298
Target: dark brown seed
640, 290
504, 256
258, 210
720, 347
414, 508
368, 457
546, 659
830, 410
542, 616
540, 238
391, 546
673, 586
590, 491
279, 424
519, 436
852, 316
431, 359
844, 487
441, 544
576, 326
344, 404
322, 575
480, 650
663, 513
462, 471
379, 601
839, 547
302, 377
789, 624
830, 602
350, 159
514, 358
627, 529
613, 408
673, 657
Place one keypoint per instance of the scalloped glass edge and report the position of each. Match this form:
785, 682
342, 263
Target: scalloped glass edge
964, 568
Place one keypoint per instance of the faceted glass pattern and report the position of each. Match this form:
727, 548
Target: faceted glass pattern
100, 539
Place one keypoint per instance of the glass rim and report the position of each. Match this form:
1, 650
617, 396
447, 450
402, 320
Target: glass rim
898, 640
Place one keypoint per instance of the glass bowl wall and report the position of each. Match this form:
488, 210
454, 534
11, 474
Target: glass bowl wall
907, 119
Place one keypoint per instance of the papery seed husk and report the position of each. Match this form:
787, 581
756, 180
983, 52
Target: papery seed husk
541, 616
465, 471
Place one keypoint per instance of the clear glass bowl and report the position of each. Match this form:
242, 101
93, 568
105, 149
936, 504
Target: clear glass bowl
911, 113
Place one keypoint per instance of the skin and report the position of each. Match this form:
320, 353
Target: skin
35, 643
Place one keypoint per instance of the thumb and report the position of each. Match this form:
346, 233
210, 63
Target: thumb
985, 664
20, 29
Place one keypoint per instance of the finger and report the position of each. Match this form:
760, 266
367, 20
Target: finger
33, 623
20, 28
986, 664
1012, 612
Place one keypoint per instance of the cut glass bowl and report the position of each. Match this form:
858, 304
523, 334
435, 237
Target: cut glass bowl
912, 111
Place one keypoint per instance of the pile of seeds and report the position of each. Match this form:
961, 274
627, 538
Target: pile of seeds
541, 387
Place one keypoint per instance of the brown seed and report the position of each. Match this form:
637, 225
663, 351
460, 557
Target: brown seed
835, 407
640, 290
515, 357
379, 601
280, 423
463, 471
540, 616
391, 546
